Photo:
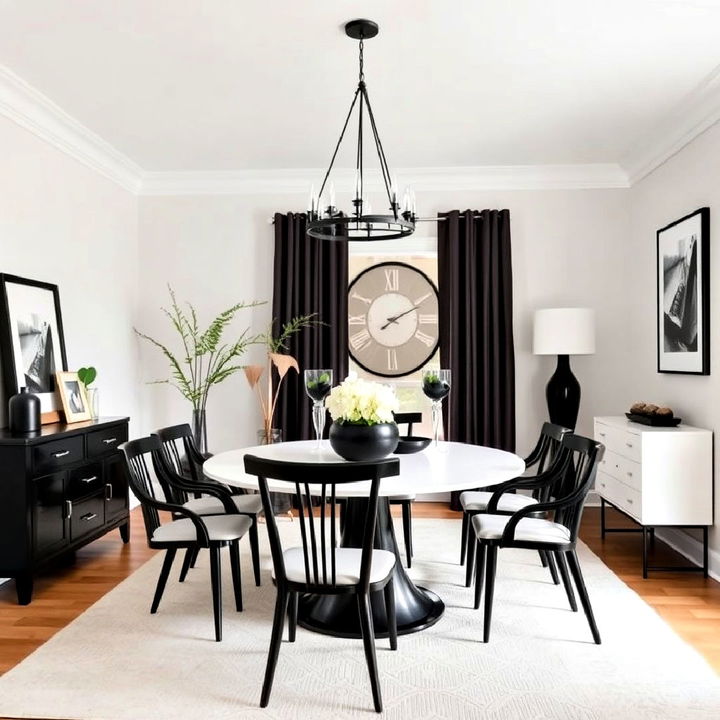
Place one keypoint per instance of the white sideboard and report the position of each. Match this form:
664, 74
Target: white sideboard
656, 475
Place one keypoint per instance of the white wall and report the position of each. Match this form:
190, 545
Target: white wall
63, 223
686, 182
567, 250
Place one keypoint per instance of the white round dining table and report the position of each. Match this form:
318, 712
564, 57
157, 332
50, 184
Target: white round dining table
449, 466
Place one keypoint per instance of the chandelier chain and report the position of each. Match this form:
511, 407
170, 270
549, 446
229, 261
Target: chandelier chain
362, 69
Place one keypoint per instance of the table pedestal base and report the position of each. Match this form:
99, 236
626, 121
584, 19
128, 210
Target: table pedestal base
415, 607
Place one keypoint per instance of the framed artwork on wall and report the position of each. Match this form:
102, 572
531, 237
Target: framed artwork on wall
683, 295
32, 344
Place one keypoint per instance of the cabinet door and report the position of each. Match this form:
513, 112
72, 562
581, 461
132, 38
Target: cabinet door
116, 486
49, 514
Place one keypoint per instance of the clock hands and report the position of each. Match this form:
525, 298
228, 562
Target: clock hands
395, 318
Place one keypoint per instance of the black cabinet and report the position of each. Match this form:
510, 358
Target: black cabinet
59, 489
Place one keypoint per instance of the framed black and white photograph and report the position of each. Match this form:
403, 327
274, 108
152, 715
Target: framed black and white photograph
683, 295
32, 344
73, 396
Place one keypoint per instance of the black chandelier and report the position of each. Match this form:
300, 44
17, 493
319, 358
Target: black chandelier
327, 221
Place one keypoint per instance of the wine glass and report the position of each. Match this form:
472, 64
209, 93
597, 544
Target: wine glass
436, 386
317, 385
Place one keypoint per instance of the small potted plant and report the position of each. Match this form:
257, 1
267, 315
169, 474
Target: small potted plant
363, 422
87, 375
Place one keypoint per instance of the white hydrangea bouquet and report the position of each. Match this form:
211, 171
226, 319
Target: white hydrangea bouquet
361, 402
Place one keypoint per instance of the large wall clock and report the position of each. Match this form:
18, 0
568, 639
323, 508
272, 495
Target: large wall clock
392, 319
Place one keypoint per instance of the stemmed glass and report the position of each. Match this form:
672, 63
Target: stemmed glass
317, 385
436, 386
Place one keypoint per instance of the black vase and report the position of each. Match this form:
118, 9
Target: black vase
24, 412
364, 442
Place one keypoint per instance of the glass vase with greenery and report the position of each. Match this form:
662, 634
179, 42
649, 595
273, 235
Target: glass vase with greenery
205, 359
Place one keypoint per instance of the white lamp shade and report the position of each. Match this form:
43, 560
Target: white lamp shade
564, 331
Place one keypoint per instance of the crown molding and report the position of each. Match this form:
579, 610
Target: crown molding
694, 114
35, 112
291, 181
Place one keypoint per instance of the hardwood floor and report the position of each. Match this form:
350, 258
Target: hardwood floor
688, 602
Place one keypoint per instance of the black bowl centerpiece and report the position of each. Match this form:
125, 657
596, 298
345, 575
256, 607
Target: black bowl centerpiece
362, 413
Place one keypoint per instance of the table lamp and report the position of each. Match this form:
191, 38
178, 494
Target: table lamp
564, 332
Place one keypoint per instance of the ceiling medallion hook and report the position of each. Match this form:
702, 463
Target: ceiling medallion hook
327, 221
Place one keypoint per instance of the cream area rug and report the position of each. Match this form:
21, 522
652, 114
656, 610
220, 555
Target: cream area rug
118, 662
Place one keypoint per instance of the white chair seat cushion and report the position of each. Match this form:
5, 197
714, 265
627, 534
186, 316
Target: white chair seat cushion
402, 497
535, 530
251, 504
478, 500
220, 527
347, 566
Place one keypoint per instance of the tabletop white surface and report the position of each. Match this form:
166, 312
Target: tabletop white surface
450, 466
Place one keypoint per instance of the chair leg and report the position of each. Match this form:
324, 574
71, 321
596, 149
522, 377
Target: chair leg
389, 593
368, 635
196, 552
480, 553
551, 566
255, 550
162, 580
407, 531
186, 563
236, 574
215, 580
281, 604
543, 559
489, 589
292, 616
470, 558
562, 567
464, 538
582, 591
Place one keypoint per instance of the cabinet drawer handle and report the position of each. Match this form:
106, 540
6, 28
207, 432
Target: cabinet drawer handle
68, 509
89, 479
630, 502
110, 441
602, 484
61, 453
629, 445
108, 491
601, 434
88, 517
629, 474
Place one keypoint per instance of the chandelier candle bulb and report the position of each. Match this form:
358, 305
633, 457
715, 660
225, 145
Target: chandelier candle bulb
332, 195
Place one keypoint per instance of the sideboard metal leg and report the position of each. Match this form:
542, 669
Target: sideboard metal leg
602, 518
705, 551
645, 552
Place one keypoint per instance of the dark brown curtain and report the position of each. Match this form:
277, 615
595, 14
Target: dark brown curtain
310, 276
476, 327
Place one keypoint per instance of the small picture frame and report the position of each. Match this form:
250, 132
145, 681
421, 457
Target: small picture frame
73, 397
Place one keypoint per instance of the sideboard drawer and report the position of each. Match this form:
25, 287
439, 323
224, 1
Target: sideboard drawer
85, 480
606, 485
630, 473
57, 454
628, 445
87, 515
610, 464
630, 501
104, 441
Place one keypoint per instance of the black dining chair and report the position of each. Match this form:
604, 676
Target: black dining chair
406, 500
187, 490
474, 502
555, 534
189, 530
318, 565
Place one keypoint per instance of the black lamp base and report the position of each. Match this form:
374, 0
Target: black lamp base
563, 395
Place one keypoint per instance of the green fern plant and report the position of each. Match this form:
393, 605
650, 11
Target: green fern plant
204, 360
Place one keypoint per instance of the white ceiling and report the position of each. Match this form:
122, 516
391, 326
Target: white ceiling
236, 84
